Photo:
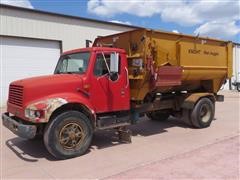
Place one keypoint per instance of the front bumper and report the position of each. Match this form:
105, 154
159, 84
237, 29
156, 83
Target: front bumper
26, 131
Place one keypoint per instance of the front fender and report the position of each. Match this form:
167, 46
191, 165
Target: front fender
49, 104
73, 98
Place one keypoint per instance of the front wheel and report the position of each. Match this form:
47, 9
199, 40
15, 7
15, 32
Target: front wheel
68, 135
203, 113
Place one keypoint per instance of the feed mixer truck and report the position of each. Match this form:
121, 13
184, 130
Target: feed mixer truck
112, 84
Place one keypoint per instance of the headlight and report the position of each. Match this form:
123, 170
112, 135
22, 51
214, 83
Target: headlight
31, 113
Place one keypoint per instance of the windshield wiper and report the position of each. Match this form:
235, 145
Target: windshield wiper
58, 72
69, 72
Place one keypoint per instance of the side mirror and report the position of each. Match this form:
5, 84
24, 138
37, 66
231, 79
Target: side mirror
114, 62
113, 76
114, 66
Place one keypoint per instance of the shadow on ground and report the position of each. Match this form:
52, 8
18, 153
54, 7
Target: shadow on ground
32, 150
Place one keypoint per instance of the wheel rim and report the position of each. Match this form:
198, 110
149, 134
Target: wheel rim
71, 135
205, 113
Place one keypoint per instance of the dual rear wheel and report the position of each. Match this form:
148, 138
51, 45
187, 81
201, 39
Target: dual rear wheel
200, 116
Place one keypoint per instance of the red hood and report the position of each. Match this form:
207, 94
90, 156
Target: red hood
39, 87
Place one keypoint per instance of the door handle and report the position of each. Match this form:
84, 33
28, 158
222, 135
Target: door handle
127, 80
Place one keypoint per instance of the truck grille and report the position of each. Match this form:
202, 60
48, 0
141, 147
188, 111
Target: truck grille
15, 95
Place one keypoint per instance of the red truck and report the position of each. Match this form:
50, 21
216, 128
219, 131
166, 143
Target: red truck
111, 87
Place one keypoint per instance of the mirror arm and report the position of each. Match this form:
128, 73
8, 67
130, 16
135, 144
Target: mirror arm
106, 63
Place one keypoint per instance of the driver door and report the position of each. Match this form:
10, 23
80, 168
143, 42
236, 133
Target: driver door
106, 94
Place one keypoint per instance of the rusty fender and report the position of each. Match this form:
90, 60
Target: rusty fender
191, 99
47, 106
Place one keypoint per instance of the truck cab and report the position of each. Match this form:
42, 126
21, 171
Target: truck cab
88, 86
104, 77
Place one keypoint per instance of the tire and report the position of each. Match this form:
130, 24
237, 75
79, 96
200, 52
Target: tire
203, 113
158, 115
186, 117
68, 135
238, 87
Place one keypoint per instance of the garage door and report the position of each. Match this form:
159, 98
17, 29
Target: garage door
21, 58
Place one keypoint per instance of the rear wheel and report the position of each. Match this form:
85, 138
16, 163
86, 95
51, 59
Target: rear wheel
68, 135
203, 113
158, 115
238, 87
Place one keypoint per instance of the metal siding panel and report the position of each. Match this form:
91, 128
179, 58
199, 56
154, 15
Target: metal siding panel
236, 68
72, 32
236, 63
22, 58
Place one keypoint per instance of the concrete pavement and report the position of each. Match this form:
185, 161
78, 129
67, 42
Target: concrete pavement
152, 142
214, 161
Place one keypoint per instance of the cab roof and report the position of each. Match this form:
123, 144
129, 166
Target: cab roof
91, 49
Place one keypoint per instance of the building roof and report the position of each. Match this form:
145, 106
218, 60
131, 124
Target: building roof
66, 16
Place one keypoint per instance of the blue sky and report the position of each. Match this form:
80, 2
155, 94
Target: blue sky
218, 18
79, 8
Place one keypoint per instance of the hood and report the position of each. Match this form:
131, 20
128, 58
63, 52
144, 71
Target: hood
39, 87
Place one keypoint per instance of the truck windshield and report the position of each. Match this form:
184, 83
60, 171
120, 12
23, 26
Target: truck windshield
73, 63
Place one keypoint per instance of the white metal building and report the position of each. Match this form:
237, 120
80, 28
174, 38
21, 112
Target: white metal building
236, 65
31, 41
236, 70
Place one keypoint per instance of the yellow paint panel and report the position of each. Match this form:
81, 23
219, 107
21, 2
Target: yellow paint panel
192, 54
206, 62
166, 52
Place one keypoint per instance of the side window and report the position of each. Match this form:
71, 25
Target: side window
100, 67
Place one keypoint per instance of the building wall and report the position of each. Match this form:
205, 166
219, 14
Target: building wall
71, 31
236, 69
236, 63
